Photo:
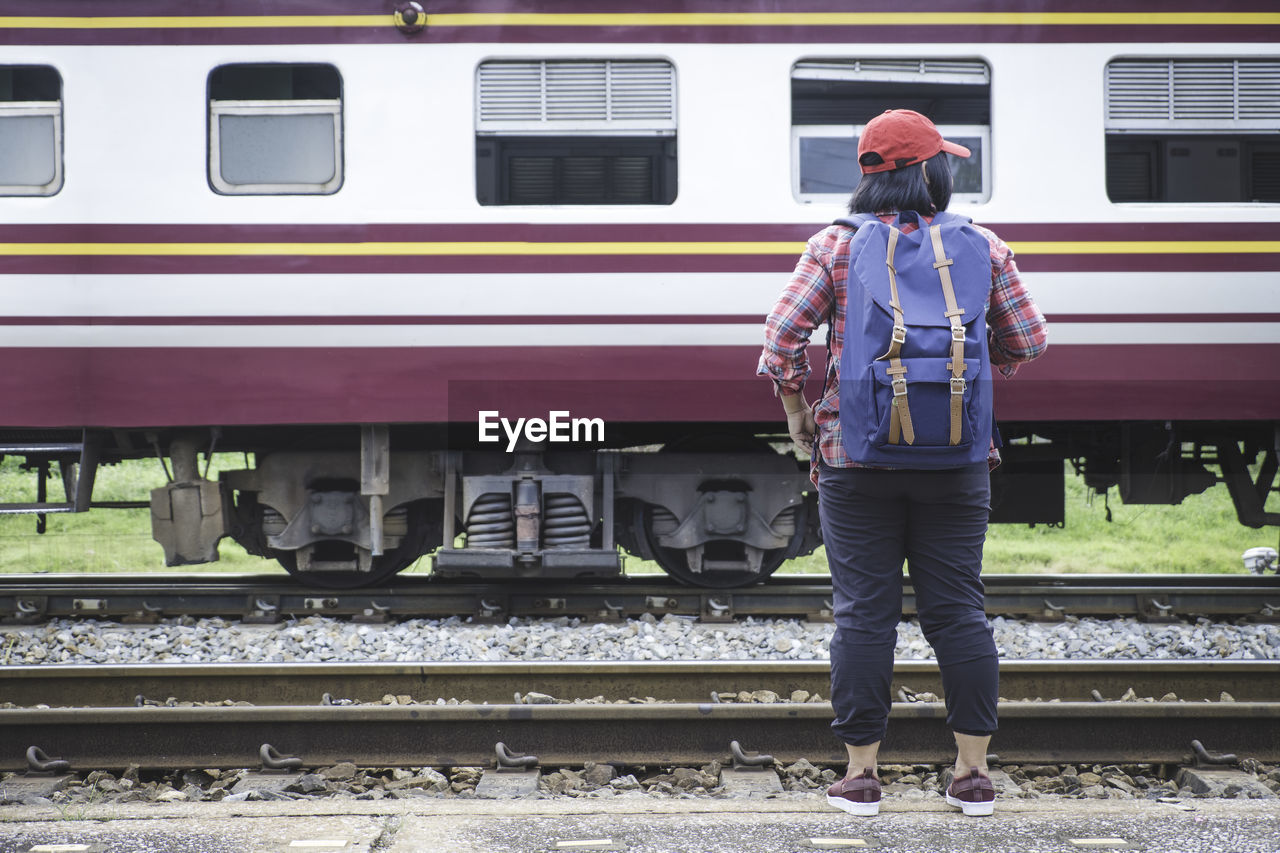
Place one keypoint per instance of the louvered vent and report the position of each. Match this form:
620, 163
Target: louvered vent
565, 96
1193, 94
1131, 173
957, 71
854, 91
1258, 91
1265, 168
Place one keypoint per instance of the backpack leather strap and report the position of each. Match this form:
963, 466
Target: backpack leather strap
954, 313
900, 417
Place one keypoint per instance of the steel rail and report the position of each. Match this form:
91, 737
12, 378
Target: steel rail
33, 598
686, 681
408, 736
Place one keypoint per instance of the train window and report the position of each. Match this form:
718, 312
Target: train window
1193, 130
30, 130
832, 99
575, 132
275, 129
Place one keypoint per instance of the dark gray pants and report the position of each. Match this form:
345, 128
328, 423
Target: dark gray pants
873, 520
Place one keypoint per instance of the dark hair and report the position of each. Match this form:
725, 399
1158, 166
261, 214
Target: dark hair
905, 188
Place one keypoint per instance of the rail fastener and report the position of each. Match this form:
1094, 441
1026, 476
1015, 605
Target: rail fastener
667, 734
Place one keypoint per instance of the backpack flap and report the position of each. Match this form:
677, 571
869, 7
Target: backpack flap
921, 297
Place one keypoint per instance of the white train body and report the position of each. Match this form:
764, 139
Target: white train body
147, 300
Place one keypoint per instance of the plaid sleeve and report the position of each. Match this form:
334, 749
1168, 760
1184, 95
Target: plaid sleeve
803, 306
1017, 329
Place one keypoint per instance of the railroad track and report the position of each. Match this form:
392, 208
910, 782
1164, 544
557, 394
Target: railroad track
100, 727
303, 684
268, 598
676, 731
410, 736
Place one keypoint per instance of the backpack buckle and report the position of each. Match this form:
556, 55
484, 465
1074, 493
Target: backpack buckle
900, 387
957, 334
899, 335
958, 385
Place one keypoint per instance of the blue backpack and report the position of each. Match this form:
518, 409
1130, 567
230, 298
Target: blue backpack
915, 373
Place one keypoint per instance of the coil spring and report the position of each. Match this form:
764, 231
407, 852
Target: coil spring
273, 523
785, 523
491, 524
565, 523
662, 521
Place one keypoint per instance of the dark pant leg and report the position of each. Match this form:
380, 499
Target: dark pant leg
863, 528
946, 528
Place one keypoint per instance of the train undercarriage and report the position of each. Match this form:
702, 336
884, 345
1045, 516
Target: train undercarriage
352, 506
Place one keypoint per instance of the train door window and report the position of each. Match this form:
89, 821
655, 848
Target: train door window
30, 130
275, 129
1193, 130
575, 132
832, 99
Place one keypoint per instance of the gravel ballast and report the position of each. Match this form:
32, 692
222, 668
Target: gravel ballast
907, 781
671, 638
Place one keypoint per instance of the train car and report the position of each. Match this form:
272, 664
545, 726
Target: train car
489, 278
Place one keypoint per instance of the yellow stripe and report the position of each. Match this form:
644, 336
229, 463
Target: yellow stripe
194, 22
654, 19
401, 248
686, 248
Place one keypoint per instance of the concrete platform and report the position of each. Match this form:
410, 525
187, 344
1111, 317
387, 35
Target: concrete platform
196, 831
791, 823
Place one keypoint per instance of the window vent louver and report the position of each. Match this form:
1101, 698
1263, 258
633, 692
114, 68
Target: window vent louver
958, 71
559, 96
1265, 185
1259, 91
1130, 175
1193, 94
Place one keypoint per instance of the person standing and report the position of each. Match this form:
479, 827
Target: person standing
903, 472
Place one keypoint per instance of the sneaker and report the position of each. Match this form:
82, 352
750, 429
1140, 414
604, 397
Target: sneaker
859, 795
973, 794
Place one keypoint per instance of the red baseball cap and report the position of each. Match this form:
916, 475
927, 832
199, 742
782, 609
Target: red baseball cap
902, 138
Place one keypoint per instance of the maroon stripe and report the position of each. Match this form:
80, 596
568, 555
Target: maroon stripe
879, 35
1208, 263
1163, 318
175, 37
182, 386
590, 232
404, 232
780, 264
1155, 231
552, 319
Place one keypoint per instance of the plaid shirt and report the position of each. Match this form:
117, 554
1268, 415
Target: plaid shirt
816, 295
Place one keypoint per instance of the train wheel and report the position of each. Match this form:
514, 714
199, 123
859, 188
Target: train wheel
424, 531
653, 521
676, 561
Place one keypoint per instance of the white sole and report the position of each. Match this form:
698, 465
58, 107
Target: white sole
860, 809
971, 809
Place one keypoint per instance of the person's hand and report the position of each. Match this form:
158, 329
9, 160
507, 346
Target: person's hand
799, 421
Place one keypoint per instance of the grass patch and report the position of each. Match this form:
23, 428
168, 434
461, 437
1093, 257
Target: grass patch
103, 540
1199, 535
